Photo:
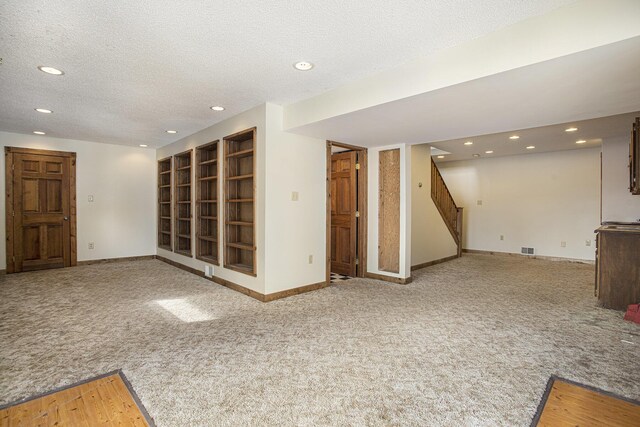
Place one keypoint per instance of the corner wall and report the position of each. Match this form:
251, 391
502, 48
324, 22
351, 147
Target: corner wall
618, 204
533, 200
430, 237
121, 219
295, 230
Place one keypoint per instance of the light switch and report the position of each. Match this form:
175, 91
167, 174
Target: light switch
294, 196
90, 197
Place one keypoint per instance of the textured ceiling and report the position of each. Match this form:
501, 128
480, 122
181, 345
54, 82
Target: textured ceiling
544, 139
136, 68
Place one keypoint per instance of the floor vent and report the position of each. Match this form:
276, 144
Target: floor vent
527, 251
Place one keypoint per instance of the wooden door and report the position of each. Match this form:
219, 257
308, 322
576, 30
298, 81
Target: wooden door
40, 209
344, 197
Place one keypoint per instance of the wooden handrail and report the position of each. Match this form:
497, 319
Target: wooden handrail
451, 214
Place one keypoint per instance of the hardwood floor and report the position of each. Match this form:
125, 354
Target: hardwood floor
570, 404
104, 401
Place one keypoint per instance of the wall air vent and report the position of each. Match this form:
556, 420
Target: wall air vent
527, 251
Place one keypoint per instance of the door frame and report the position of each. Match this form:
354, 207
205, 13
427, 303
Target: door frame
9, 166
363, 197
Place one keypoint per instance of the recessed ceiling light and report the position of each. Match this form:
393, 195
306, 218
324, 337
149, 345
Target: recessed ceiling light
489, 152
582, 141
514, 137
50, 70
531, 147
441, 157
468, 143
39, 132
573, 129
172, 131
217, 108
43, 110
303, 66
476, 155
143, 145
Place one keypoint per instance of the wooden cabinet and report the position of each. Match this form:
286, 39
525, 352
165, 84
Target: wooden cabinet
618, 265
239, 184
207, 203
164, 204
182, 192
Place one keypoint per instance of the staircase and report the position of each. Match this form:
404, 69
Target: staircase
451, 214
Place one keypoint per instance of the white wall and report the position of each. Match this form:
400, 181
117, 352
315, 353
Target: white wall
430, 237
251, 118
534, 200
405, 211
121, 220
294, 229
618, 204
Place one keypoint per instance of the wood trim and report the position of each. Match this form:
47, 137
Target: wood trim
73, 228
514, 254
347, 146
430, 263
112, 260
390, 279
233, 135
363, 203
37, 151
243, 290
295, 291
8, 205
9, 231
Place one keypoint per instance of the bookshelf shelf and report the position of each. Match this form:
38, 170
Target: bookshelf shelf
207, 203
239, 184
183, 211
164, 204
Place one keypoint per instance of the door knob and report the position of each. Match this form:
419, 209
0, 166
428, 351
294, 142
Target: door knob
66, 218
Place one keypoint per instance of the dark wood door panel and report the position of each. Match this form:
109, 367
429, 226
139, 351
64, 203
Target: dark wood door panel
343, 213
41, 209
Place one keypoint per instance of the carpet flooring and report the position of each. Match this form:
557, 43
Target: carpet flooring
470, 342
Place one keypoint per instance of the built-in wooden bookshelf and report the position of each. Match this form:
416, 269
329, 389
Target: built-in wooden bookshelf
239, 173
207, 203
182, 193
164, 203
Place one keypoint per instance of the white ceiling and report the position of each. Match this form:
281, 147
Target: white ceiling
594, 83
136, 68
544, 139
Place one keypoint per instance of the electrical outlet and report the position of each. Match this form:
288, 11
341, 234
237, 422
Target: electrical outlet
479, 202
90, 245
501, 237
294, 196
587, 242
563, 244
310, 259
